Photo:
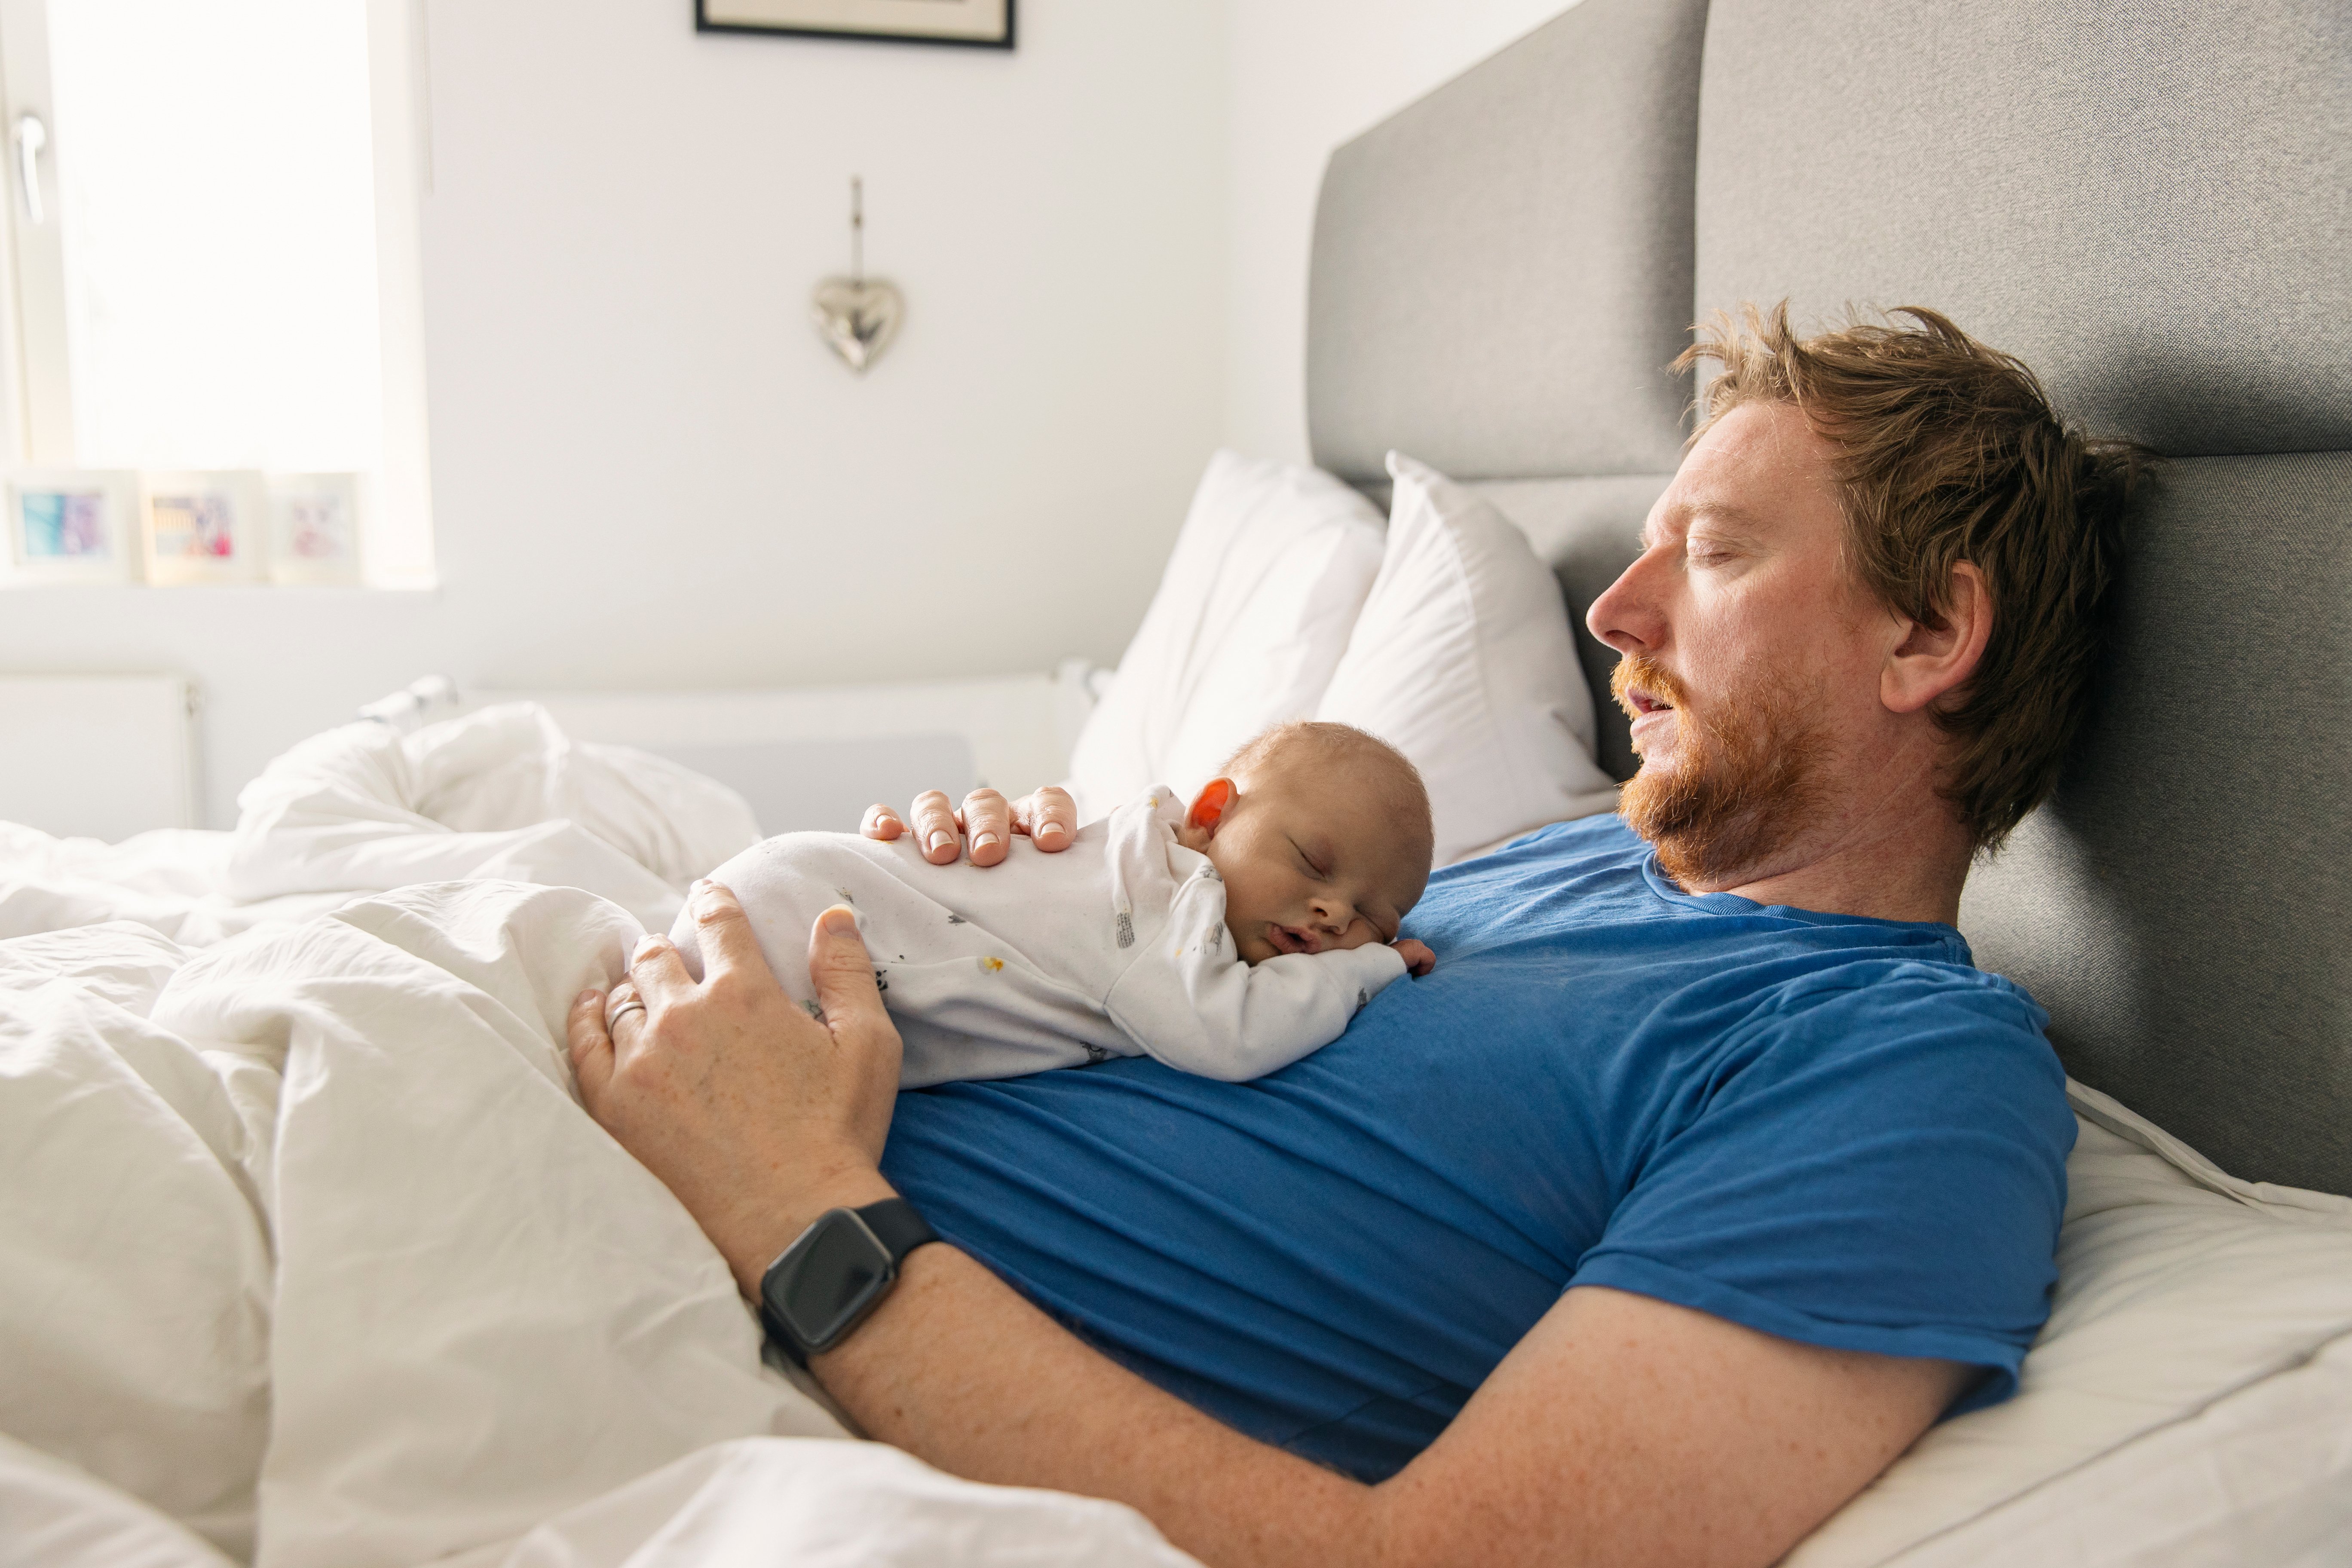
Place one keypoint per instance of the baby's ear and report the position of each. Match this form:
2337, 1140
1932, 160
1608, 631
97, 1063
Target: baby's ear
1209, 806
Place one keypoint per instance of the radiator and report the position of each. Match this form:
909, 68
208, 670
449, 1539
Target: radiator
98, 756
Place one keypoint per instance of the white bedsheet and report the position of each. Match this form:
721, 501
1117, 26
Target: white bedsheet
311, 1252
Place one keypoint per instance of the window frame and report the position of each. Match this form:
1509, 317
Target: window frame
37, 412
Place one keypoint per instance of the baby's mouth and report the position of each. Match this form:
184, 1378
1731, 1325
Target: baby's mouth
1290, 938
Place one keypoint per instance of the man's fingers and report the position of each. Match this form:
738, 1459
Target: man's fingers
843, 972
728, 943
935, 827
657, 971
882, 823
1049, 816
589, 1045
988, 825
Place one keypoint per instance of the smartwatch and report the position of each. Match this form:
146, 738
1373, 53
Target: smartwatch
838, 1271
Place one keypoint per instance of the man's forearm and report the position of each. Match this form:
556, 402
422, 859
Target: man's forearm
957, 1368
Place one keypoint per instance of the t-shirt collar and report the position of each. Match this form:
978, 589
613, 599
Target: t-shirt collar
1667, 889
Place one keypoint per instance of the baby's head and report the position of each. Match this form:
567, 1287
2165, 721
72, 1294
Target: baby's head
1322, 835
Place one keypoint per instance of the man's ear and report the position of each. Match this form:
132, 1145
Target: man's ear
1209, 806
1938, 657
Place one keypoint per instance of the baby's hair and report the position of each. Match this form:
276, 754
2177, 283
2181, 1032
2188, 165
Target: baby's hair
1389, 772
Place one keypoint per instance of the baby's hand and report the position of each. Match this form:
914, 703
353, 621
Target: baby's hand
1418, 959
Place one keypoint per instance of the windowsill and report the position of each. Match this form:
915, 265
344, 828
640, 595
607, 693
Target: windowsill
370, 590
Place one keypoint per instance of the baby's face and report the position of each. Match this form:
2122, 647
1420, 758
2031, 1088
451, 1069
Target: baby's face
1310, 863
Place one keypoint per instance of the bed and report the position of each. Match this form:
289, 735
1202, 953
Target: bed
384, 1296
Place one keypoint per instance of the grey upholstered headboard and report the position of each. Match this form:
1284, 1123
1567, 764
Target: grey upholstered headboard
2149, 201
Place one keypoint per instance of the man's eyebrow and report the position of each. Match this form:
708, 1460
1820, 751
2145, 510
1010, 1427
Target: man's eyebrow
1724, 514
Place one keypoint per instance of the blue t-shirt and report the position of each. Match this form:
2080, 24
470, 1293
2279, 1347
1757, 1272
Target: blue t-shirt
1831, 1129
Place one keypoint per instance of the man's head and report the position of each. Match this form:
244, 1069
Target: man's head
1322, 835
1883, 563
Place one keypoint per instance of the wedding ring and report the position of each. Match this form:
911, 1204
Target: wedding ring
613, 1019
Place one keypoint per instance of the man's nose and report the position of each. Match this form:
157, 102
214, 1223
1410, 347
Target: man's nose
1627, 616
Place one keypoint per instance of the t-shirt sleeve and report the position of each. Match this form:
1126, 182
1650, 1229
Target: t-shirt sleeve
1878, 1167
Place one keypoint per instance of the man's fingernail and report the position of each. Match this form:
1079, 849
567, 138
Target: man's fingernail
938, 838
838, 920
583, 998
982, 841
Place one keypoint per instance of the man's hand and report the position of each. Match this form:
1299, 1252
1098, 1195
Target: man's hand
1418, 959
758, 1116
1048, 817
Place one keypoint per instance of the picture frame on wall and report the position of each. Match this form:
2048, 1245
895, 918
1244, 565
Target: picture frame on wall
206, 527
973, 24
314, 528
72, 525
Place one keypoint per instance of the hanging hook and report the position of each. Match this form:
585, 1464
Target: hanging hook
856, 228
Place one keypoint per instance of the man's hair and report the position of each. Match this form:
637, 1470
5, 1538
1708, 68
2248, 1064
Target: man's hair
1948, 451
1388, 772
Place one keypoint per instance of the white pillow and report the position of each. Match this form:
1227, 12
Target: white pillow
1251, 616
2198, 1320
1462, 660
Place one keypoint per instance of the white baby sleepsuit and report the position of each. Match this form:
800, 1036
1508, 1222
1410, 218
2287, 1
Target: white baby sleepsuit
1116, 946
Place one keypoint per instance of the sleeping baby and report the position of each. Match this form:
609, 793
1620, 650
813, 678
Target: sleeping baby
1226, 936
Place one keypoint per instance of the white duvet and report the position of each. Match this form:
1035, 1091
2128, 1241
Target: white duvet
309, 1255
309, 1248
366, 807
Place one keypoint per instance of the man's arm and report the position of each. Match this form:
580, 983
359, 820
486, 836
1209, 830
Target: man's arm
1621, 1430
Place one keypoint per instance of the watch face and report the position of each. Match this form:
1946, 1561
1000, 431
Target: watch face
840, 1269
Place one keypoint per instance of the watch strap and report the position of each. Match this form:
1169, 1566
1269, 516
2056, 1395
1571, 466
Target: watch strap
896, 1226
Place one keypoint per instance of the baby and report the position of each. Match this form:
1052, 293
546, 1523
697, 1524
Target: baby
1227, 937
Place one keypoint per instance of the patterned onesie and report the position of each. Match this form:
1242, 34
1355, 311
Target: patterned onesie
1116, 946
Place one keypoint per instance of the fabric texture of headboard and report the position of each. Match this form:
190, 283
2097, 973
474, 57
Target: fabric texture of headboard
2149, 202
1502, 272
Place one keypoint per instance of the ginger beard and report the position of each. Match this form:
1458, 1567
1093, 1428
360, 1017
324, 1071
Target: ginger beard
1740, 784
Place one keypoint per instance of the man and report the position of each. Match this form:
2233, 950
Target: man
1702, 1177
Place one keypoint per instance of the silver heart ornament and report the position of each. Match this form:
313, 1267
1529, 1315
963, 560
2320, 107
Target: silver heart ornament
858, 316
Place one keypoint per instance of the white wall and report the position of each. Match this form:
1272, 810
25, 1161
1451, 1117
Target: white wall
645, 471
1308, 75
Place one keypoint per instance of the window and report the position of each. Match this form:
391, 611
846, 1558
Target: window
213, 245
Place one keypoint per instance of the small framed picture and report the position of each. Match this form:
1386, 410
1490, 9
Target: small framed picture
979, 24
314, 528
73, 525
206, 527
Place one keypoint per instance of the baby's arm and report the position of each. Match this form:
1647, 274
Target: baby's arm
1195, 1006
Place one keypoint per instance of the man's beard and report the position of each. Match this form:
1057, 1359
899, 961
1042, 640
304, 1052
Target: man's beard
1741, 785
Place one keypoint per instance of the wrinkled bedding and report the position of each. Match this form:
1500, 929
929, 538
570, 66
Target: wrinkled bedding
312, 1257
366, 807
311, 1250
